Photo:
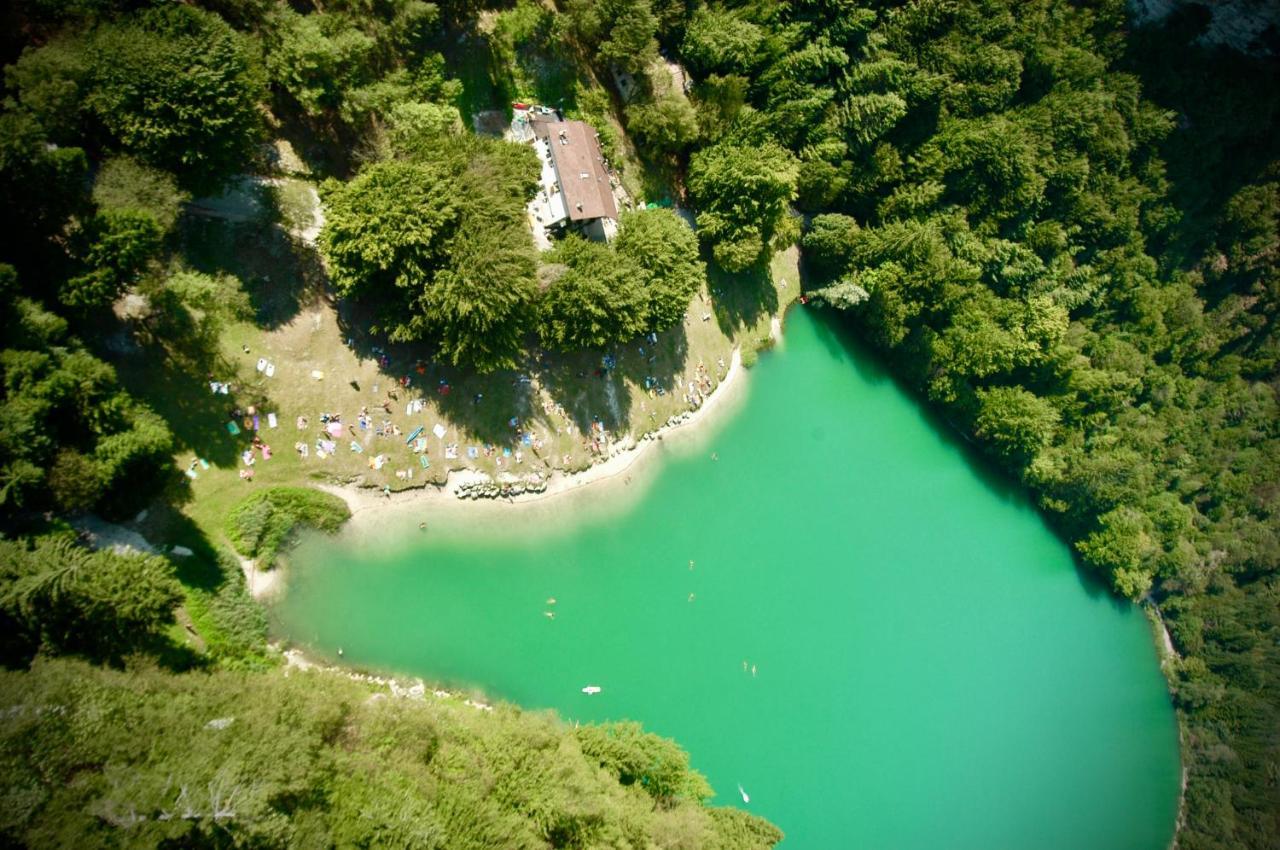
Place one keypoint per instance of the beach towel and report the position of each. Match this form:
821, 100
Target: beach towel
334, 429
527, 439
420, 445
272, 421
262, 363
473, 452
256, 422
438, 430
233, 428
305, 450
423, 462
506, 452
356, 447
414, 435
266, 452
317, 374
320, 453
328, 445
271, 370
191, 473
247, 457
450, 452
204, 464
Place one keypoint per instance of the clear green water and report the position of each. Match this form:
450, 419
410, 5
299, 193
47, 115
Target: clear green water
931, 669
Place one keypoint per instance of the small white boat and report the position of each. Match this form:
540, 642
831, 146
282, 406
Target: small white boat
591, 689
746, 798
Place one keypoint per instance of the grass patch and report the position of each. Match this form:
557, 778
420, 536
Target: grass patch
269, 520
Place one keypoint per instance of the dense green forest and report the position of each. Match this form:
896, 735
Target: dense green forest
1062, 230
95, 757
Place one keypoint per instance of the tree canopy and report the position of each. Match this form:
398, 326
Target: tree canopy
437, 242
270, 760
173, 86
70, 437
741, 191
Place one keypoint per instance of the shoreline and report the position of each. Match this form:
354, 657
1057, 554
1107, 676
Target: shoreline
374, 514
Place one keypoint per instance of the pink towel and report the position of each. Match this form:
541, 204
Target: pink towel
266, 452
334, 429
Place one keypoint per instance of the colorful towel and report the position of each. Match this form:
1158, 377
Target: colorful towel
233, 428
423, 462
356, 447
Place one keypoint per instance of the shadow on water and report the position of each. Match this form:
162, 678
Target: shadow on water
838, 334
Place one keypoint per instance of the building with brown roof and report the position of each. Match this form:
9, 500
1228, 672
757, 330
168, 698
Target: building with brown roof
575, 186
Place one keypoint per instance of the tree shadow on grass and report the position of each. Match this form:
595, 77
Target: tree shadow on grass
452, 389
275, 269
741, 299
173, 376
486, 82
591, 390
483, 405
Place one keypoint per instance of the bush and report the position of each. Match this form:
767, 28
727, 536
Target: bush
266, 522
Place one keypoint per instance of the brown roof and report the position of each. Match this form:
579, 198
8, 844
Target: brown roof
580, 167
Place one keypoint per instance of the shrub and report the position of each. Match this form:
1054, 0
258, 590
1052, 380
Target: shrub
267, 522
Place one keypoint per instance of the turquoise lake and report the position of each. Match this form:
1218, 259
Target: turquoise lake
885, 645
